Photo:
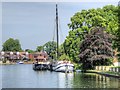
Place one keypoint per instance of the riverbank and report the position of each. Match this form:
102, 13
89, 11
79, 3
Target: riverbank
12, 63
105, 73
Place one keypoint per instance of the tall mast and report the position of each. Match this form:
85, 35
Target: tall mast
57, 31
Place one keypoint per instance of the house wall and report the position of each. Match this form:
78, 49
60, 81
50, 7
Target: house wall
31, 56
116, 64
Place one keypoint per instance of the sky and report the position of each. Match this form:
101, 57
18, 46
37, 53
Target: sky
33, 23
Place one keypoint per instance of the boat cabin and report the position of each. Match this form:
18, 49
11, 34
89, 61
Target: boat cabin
41, 57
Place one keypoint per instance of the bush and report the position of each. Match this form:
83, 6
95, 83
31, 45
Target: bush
64, 57
4, 61
77, 66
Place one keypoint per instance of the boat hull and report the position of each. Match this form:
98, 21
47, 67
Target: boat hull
20, 62
64, 68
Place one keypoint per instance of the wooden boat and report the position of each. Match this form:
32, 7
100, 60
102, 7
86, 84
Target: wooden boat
40, 66
40, 62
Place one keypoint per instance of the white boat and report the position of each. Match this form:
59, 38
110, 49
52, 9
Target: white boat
20, 62
78, 70
62, 66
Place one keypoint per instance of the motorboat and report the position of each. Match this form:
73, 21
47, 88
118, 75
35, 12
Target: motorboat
20, 62
63, 66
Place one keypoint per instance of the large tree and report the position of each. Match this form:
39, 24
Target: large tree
84, 21
50, 48
118, 33
96, 48
12, 45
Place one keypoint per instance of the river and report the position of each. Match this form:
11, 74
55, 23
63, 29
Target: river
23, 76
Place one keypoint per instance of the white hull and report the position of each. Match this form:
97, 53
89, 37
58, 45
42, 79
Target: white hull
20, 62
63, 68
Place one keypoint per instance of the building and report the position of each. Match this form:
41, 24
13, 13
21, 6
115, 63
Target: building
13, 56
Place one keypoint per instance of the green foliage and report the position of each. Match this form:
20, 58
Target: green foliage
4, 61
29, 51
39, 48
11, 45
50, 48
77, 66
71, 45
118, 57
61, 50
84, 21
64, 57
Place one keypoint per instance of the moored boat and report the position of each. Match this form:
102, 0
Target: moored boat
40, 66
63, 66
41, 62
20, 62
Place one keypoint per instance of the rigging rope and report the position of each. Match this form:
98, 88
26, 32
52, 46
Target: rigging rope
60, 30
61, 37
54, 31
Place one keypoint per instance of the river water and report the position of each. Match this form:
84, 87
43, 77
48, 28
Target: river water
23, 76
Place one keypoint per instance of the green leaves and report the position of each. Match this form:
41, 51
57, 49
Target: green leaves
83, 22
11, 45
50, 48
64, 57
95, 17
39, 48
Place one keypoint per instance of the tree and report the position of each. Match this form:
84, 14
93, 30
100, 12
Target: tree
84, 21
12, 45
29, 51
71, 46
39, 48
64, 57
96, 48
50, 48
118, 33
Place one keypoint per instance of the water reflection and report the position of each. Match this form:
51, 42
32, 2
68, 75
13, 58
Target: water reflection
65, 80
22, 76
90, 80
